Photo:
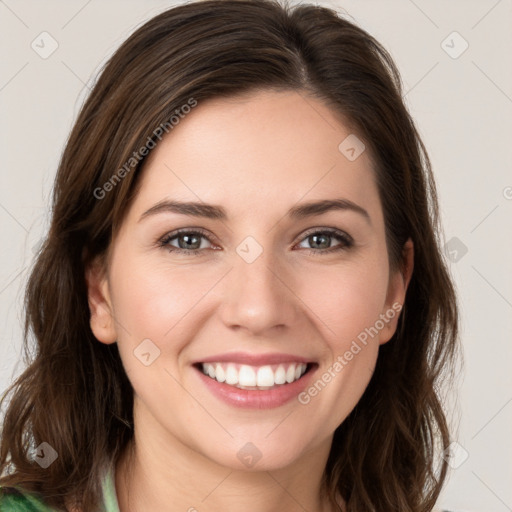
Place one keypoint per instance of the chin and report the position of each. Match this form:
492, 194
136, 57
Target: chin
257, 453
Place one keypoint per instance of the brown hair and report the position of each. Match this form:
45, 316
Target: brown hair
75, 394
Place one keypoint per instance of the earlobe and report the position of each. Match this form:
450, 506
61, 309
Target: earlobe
100, 305
397, 289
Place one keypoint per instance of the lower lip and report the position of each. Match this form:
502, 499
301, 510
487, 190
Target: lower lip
253, 398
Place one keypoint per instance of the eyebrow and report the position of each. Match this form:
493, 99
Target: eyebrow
216, 212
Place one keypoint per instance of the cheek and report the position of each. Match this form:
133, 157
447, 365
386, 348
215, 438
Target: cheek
151, 301
346, 300
346, 304
157, 304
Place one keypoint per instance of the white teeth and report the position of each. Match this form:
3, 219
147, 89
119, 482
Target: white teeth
220, 374
265, 376
246, 376
211, 371
250, 377
231, 375
280, 375
290, 374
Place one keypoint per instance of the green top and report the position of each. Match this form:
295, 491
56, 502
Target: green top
19, 501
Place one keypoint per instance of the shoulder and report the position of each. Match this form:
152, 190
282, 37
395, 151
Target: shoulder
14, 500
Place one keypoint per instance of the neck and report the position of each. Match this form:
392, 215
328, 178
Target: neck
157, 469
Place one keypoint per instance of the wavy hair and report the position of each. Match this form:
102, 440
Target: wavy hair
74, 393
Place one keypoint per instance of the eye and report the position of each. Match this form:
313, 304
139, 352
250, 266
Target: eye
320, 241
188, 241
191, 241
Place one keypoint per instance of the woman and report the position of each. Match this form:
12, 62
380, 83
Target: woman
241, 303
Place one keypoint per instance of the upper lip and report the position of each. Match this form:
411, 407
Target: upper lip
254, 359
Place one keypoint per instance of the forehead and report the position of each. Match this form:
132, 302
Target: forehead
256, 152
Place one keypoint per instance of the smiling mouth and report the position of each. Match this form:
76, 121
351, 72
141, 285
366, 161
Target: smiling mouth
265, 377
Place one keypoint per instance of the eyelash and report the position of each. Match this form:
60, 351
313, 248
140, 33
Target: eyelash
346, 240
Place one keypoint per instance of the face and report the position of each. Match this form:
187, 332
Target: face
250, 317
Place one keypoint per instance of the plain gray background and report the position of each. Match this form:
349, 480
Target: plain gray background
461, 100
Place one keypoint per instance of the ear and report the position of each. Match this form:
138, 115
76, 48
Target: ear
398, 282
100, 304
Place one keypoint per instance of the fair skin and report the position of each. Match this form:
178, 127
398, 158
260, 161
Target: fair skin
257, 157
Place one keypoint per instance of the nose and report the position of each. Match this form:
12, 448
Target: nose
259, 297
